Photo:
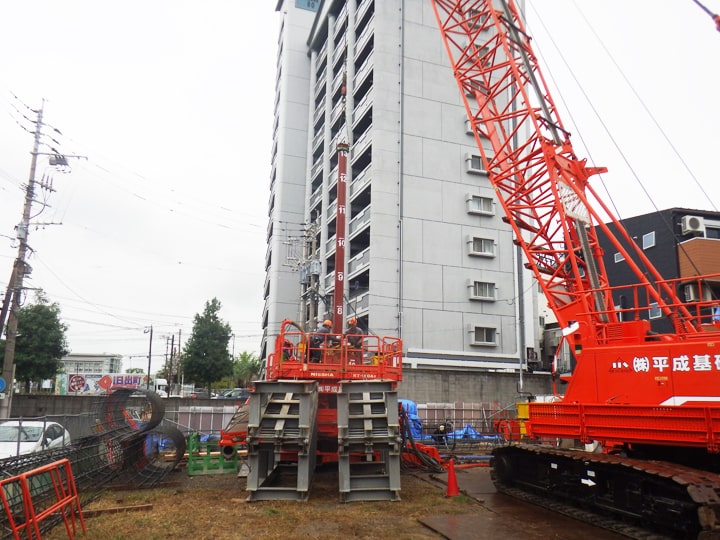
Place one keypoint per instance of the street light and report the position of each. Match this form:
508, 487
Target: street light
150, 330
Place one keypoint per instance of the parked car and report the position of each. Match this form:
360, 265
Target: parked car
201, 393
19, 437
238, 394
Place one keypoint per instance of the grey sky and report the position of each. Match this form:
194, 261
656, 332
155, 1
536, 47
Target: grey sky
172, 103
667, 53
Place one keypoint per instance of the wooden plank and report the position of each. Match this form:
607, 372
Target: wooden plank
117, 510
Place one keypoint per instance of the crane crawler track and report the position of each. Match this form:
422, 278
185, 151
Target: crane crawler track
637, 498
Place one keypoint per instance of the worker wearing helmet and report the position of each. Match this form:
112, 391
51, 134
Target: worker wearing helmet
353, 334
320, 339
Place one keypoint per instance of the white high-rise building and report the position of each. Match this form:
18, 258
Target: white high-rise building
428, 256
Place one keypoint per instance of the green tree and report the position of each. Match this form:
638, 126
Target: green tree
40, 343
246, 368
135, 370
205, 356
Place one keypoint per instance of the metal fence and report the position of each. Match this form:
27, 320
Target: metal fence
460, 425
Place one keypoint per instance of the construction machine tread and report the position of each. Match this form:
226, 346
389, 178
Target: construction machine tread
640, 499
635, 533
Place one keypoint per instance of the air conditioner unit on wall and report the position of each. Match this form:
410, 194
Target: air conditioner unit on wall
692, 224
691, 293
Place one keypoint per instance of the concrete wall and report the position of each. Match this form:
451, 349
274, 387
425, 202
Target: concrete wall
419, 385
434, 386
36, 405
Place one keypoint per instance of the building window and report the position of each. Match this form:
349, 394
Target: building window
482, 247
477, 204
654, 312
483, 335
482, 290
712, 232
477, 18
619, 257
473, 86
648, 240
475, 164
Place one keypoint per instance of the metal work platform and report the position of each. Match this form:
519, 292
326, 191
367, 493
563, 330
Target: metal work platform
282, 440
206, 457
369, 441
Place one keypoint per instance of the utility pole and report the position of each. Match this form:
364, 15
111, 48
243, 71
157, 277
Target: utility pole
314, 276
149, 355
16, 280
179, 375
170, 365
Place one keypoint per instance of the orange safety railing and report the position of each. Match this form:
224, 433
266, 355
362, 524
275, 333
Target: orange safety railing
42, 493
301, 355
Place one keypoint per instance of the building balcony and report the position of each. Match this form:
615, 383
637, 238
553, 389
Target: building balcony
330, 280
363, 72
332, 209
360, 181
359, 262
315, 197
317, 139
332, 179
361, 107
330, 245
319, 111
361, 304
337, 110
359, 146
316, 167
360, 221
320, 82
339, 49
362, 9
340, 21
365, 36
337, 81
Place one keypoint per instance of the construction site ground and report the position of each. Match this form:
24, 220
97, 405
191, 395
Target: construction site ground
215, 507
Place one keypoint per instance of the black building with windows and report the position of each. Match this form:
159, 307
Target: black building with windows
682, 244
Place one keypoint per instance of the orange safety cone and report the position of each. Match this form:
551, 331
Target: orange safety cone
452, 485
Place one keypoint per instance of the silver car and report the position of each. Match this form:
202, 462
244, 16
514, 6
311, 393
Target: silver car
19, 437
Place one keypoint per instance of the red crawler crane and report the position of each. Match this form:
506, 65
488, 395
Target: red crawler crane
632, 393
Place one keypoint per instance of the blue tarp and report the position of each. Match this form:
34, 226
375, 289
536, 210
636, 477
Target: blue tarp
467, 433
410, 408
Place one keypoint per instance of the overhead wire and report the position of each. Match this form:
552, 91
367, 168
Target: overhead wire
175, 206
714, 16
645, 107
597, 114
667, 225
196, 208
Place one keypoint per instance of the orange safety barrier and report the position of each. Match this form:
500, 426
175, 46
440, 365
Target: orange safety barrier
39, 494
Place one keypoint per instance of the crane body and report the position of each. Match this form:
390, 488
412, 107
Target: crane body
647, 403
